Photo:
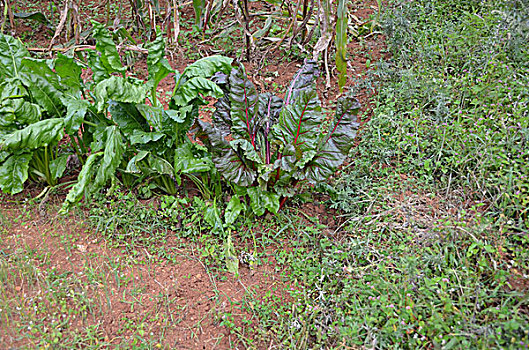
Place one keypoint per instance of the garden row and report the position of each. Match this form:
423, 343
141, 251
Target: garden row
258, 146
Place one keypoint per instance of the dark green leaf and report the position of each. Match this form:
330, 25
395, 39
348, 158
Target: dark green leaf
188, 162
128, 117
45, 94
58, 166
12, 51
75, 114
304, 79
34, 136
14, 172
69, 71
112, 156
142, 137
84, 182
37, 16
105, 45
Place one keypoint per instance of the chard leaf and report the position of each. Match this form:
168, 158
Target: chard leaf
337, 142
187, 162
84, 182
128, 117
157, 65
45, 94
342, 130
96, 65
160, 166
110, 60
12, 51
69, 71
35, 135
132, 166
58, 166
233, 210
304, 79
75, 113
14, 172
153, 115
28, 113
118, 89
244, 106
221, 116
193, 89
4, 155
41, 68
261, 200
112, 156
208, 66
299, 123
142, 137
229, 162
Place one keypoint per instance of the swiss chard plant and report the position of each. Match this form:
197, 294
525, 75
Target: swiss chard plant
33, 104
265, 145
143, 141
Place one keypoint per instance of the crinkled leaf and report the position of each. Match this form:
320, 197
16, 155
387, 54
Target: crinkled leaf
153, 115
261, 200
69, 71
304, 79
96, 65
221, 116
133, 164
342, 130
28, 113
85, 182
12, 51
35, 135
14, 172
58, 166
299, 123
157, 65
230, 163
186, 161
193, 89
128, 117
45, 94
4, 155
118, 89
244, 106
336, 144
41, 68
208, 66
105, 45
75, 114
160, 165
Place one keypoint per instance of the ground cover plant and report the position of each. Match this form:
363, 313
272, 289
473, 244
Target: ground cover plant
145, 185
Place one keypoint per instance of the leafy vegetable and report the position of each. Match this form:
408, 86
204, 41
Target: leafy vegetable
266, 145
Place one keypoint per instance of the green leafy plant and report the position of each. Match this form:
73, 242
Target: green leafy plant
32, 105
265, 145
